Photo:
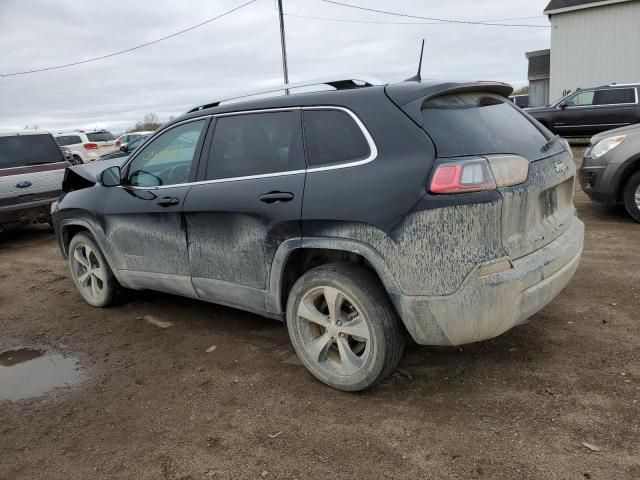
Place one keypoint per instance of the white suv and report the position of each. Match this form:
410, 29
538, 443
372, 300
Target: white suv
88, 146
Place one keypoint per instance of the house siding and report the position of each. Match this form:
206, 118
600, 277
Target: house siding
595, 46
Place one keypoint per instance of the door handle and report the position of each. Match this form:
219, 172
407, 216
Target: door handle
168, 201
275, 197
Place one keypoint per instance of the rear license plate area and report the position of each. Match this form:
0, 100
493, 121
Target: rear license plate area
549, 202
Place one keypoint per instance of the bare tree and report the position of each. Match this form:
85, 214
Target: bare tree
150, 122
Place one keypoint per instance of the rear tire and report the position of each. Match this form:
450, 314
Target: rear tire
77, 160
91, 272
631, 196
343, 326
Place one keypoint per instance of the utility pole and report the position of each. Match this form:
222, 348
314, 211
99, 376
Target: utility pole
283, 44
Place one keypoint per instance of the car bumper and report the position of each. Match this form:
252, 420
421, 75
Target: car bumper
486, 306
598, 179
26, 213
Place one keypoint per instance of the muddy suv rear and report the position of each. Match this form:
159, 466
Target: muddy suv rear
507, 224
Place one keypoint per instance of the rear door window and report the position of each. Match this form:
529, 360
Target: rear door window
333, 137
255, 144
480, 123
614, 96
68, 140
24, 150
100, 137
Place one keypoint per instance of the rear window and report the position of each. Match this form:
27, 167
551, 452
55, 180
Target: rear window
100, 137
615, 96
65, 140
480, 123
23, 150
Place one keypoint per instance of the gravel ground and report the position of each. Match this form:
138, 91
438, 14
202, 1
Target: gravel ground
154, 404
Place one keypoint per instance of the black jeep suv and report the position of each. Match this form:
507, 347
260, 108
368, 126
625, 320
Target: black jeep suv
356, 215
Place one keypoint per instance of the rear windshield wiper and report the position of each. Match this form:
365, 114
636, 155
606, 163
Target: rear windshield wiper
549, 143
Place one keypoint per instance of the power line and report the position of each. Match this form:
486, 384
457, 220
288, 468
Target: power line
120, 52
398, 23
443, 20
361, 21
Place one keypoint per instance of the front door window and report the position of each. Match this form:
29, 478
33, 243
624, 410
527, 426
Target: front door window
167, 159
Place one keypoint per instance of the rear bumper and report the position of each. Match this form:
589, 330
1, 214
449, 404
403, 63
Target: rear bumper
487, 306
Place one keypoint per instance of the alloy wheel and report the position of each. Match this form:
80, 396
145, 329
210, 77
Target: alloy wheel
90, 275
335, 334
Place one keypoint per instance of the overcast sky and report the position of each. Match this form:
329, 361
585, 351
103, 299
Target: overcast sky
238, 52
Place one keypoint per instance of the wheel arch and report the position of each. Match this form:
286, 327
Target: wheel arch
627, 169
295, 257
68, 228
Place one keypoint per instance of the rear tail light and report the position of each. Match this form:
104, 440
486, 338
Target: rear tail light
90, 146
478, 174
118, 143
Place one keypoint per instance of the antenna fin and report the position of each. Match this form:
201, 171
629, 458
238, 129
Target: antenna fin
417, 77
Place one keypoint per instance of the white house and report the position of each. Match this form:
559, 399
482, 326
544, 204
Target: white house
593, 43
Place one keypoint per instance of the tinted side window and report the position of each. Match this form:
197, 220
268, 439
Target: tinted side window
581, 99
100, 137
615, 95
332, 136
68, 140
255, 144
167, 159
22, 150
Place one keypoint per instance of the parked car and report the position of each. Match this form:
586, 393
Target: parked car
87, 147
31, 170
520, 100
126, 149
592, 110
610, 171
440, 209
127, 137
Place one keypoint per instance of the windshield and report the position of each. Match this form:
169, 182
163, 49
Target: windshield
23, 150
480, 124
135, 143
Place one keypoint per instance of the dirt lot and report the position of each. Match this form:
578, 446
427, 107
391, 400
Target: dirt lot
153, 404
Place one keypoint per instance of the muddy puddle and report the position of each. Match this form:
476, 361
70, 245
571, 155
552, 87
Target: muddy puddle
30, 372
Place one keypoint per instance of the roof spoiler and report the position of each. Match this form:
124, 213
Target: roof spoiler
410, 96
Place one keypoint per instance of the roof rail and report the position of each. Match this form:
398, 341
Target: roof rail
341, 83
622, 84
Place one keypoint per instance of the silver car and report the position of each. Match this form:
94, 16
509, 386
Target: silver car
32, 168
610, 172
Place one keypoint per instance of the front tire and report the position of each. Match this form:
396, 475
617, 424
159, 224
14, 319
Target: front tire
91, 273
343, 326
631, 196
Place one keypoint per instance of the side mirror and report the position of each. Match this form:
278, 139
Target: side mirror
110, 177
563, 105
123, 148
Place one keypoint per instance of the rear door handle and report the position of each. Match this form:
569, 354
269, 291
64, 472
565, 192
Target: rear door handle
168, 202
275, 197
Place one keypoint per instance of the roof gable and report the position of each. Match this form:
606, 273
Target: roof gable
559, 6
